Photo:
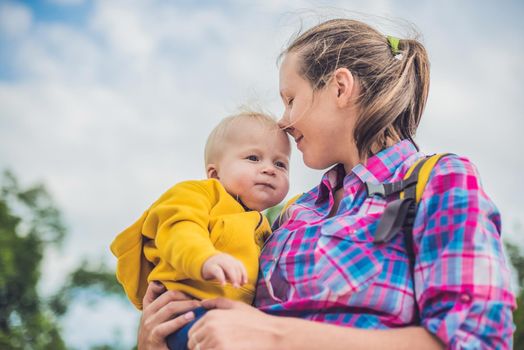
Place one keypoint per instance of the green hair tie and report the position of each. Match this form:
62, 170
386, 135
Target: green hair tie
393, 44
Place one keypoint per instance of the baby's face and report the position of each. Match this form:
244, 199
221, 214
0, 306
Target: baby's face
255, 165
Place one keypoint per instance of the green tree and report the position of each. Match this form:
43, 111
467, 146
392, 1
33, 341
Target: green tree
517, 260
97, 279
28, 223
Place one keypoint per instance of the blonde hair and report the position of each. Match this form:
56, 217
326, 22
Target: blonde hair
221, 132
394, 87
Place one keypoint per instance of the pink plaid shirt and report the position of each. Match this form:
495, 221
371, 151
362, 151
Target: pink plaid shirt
328, 269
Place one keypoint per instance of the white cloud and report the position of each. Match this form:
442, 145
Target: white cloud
88, 324
15, 19
123, 28
67, 2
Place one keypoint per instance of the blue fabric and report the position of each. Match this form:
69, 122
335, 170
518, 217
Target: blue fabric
178, 340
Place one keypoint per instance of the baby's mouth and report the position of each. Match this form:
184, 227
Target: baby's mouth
265, 185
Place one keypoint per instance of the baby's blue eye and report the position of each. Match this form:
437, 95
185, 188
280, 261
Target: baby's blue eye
252, 158
281, 165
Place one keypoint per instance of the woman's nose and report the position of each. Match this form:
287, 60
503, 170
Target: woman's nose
283, 122
285, 125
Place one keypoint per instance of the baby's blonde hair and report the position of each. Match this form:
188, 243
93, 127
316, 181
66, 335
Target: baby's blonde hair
220, 133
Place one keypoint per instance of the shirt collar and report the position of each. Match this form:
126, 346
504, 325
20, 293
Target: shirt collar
331, 181
379, 168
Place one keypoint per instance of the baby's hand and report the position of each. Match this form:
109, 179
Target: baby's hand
224, 267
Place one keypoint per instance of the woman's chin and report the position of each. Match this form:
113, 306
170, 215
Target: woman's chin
316, 164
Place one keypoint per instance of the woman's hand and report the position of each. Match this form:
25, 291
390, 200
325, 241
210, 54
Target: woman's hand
163, 313
233, 325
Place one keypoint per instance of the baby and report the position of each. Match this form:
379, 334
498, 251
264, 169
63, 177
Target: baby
201, 234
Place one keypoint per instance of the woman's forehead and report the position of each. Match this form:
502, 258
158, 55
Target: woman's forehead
289, 73
289, 65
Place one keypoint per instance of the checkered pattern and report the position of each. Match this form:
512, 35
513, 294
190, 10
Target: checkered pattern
329, 269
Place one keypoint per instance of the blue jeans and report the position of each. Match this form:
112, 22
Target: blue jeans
178, 340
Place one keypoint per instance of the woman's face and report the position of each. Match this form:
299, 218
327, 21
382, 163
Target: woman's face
322, 129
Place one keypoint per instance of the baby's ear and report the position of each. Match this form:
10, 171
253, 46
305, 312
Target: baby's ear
212, 172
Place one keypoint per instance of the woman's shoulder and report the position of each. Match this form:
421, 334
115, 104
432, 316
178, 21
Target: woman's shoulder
453, 164
456, 176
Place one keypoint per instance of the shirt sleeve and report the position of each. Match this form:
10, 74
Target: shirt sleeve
462, 280
179, 223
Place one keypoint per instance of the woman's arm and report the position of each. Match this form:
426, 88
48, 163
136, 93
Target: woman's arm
159, 316
462, 279
234, 325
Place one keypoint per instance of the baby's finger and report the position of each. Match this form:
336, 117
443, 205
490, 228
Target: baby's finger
233, 274
218, 273
240, 274
243, 274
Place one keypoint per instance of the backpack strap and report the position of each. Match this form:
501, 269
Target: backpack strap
397, 210
400, 213
424, 171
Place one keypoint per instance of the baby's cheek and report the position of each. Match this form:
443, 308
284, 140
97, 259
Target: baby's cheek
281, 195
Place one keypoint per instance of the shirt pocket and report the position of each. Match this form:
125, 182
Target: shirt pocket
347, 261
293, 276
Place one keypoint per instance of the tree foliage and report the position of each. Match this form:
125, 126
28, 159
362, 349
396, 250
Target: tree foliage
98, 280
28, 222
517, 260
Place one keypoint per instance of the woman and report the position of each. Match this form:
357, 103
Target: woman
353, 101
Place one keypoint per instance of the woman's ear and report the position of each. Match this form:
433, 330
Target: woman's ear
212, 172
344, 85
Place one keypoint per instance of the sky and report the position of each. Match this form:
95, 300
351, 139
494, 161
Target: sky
109, 103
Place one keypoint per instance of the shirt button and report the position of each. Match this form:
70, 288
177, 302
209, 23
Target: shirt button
465, 298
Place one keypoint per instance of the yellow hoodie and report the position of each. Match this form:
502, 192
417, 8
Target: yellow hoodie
191, 222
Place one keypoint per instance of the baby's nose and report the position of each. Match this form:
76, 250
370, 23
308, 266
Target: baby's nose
268, 169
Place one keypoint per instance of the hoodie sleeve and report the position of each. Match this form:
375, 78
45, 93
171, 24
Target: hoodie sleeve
179, 224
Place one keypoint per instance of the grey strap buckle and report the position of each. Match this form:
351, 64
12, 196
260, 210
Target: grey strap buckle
375, 189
